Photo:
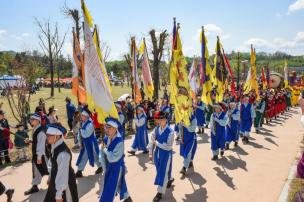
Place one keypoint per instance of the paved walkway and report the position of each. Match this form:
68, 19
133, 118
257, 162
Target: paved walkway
254, 172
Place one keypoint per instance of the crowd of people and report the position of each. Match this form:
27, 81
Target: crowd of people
102, 144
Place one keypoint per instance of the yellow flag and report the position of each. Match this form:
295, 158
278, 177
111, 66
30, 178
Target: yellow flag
103, 65
219, 72
99, 96
87, 14
179, 82
206, 79
252, 82
286, 75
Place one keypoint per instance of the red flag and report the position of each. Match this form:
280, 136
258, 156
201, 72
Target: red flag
232, 85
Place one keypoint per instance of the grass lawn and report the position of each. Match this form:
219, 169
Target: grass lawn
58, 101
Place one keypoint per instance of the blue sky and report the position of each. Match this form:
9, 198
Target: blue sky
269, 24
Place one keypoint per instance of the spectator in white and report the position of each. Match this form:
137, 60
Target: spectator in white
52, 116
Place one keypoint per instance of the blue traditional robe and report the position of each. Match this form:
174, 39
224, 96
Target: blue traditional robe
232, 129
89, 144
246, 116
141, 137
200, 114
114, 180
217, 125
188, 139
162, 155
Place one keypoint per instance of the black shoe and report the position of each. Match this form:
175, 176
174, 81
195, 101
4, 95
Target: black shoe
207, 126
222, 153
244, 140
247, 140
9, 193
191, 165
214, 158
128, 199
199, 131
241, 135
169, 184
257, 131
78, 174
32, 190
235, 144
183, 171
145, 152
203, 130
227, 146
99, 170
177, 139
132, 153
158, 197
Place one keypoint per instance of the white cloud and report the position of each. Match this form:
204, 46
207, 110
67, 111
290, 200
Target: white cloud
2, 33
297, 5
211, 31
293, 46
299, 37
25, 34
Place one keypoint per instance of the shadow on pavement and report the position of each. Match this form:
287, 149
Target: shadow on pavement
223, 175
232, 163
86, 184
199, 194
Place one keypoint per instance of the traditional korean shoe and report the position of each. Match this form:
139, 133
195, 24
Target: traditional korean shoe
183, 171
227, 146
132, 153
78, 174
170, 182
222, 153
129, 199
99, 170
247, 140
191, 165
158, 197
32, 190
9, 193
214, 158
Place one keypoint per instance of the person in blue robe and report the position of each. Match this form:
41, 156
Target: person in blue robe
113, 150
218, 122
160, 151
141, 140
89, 150
247, 115
188, 143
121, 117
232, 129
200, 114
165, 107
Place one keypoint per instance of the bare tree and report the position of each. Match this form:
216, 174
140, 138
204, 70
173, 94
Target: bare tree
51, 44
158, 44
19, 96
74, 14
106, 51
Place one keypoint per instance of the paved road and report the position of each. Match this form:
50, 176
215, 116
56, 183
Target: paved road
254, 172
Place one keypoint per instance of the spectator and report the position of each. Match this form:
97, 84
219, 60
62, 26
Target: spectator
4, 138
20, 145
130, 113
70, 108
52, 116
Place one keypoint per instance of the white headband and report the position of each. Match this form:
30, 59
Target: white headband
53, 131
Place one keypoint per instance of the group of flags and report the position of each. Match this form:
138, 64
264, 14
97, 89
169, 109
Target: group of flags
91, 84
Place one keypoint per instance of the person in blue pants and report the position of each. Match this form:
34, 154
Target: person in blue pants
218, 122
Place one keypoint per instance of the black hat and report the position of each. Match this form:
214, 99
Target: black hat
2, 112
19, 125
160, 115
